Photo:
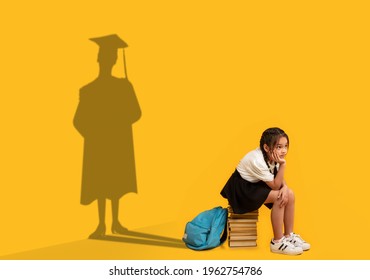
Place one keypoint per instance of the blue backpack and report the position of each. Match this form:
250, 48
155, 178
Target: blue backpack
204, 231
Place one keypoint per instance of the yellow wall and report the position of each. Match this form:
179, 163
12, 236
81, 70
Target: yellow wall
210, 76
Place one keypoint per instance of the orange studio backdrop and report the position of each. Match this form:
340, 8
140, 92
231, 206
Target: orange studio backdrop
209, 77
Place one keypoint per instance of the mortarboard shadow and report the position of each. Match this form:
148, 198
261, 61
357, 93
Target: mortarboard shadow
107, 109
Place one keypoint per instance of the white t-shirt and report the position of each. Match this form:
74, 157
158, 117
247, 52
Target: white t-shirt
253, 167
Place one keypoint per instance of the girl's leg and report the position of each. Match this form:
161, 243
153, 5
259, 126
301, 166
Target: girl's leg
284, 217
289, 213
277, 215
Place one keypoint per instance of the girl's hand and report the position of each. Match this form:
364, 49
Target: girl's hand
277, 159
283, 196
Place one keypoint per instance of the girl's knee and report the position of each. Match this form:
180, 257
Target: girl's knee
290, 194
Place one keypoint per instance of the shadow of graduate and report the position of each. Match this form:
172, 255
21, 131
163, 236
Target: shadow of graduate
136, 237
107, 109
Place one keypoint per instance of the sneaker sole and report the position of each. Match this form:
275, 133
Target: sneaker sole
304, 249
285, 252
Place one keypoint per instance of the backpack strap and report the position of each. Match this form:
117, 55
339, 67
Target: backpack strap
224, 234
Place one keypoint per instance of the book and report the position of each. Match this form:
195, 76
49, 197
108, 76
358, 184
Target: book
242, 243
230, 210
236, 224
242, 237
249, 215
242, 228
238, 221
245, 232
243, 216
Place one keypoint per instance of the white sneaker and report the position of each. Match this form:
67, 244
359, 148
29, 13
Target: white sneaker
283, 246
297, 241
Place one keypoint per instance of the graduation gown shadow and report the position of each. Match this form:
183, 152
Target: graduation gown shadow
107, 109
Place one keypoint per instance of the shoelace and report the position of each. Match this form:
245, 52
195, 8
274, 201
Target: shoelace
298, 237
287, 242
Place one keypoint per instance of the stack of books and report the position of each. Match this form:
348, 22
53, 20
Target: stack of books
242, 229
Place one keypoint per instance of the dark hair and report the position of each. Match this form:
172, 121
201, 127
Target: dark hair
271, 137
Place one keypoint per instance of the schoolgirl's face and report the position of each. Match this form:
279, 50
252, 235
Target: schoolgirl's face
280, 148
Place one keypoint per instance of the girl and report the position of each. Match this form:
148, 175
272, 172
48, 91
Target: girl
259, 179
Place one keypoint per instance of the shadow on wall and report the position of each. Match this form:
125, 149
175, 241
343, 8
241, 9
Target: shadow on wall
104, 117
107, 109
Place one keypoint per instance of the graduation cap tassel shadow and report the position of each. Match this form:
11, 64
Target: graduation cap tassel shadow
124, 64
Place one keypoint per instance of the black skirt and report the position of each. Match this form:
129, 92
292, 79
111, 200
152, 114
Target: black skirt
244, 196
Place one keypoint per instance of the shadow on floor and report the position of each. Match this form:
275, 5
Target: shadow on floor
144, 239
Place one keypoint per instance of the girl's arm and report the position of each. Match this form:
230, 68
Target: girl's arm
278, 181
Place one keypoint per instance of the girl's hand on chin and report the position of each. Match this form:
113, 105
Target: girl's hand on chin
276, 158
